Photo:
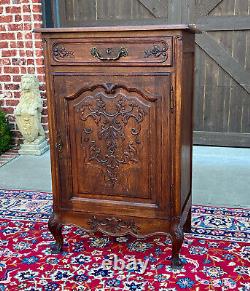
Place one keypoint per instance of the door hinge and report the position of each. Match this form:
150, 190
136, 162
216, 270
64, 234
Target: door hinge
172, 99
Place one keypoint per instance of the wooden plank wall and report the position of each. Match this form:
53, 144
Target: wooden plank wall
222, 99
222, 83
88, 12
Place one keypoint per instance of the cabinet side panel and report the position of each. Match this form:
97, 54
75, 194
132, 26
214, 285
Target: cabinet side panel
51, 121
187, 118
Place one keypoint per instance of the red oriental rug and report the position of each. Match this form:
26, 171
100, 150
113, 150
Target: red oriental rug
216, 255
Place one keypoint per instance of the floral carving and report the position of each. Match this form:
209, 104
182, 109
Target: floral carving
59, 51
113, 225
111, 147
157, 51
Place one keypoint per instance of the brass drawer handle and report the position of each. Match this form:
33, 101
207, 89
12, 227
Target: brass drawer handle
123, 52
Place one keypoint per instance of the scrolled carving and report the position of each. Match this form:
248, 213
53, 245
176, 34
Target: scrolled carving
113, 225
157, 51
179, 37
59, 51
111, 115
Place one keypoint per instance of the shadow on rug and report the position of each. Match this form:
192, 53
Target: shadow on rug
216, 255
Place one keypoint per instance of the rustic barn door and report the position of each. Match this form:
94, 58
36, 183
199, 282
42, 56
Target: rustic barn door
87, 12
68, 13
222, 90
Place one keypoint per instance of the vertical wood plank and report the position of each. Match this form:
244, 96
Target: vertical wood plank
206, 7
191, 10
224, 8
245, 123
86, 10
170, 11
156, 8
210, 95
174, 11
241, 8
47, 12
184, 11
229, 10
247, 56
245, 126
224, 82
121, 9
217, 101
199, 89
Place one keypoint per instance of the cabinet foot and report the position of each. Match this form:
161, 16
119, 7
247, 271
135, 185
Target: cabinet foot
187, 225
55, 227
177, 237
176, 263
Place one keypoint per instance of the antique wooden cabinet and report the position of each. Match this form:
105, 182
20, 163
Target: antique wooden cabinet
120, 119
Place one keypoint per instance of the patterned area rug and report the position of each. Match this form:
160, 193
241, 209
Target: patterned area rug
8, 156
216, 255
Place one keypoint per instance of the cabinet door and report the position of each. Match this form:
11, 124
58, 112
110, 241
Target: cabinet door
115, 152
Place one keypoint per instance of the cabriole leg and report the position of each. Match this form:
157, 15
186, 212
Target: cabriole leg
187, 225
55, 227
177, 238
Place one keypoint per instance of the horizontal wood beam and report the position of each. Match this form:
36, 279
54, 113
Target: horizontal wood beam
224, 60
219, 23
230, 139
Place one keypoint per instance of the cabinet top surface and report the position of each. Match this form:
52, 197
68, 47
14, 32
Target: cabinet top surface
190, 28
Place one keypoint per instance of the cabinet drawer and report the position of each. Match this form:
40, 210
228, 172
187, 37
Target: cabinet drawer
113, 52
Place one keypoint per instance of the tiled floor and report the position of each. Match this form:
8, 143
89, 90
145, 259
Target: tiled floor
221, 176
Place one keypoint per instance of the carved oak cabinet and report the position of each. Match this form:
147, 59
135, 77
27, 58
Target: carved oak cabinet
120, 119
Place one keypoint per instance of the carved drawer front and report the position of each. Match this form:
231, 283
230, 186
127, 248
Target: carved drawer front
155, 51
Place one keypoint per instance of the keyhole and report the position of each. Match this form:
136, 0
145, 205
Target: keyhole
108, 51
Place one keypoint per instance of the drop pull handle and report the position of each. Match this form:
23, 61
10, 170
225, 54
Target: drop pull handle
122, 52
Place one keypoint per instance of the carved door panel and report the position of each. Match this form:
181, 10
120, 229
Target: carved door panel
116, 132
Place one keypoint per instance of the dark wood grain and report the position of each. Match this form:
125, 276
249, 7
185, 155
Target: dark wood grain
153, 27
113, 51
121, 136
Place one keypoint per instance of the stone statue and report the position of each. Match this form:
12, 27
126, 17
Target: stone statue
28, 117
